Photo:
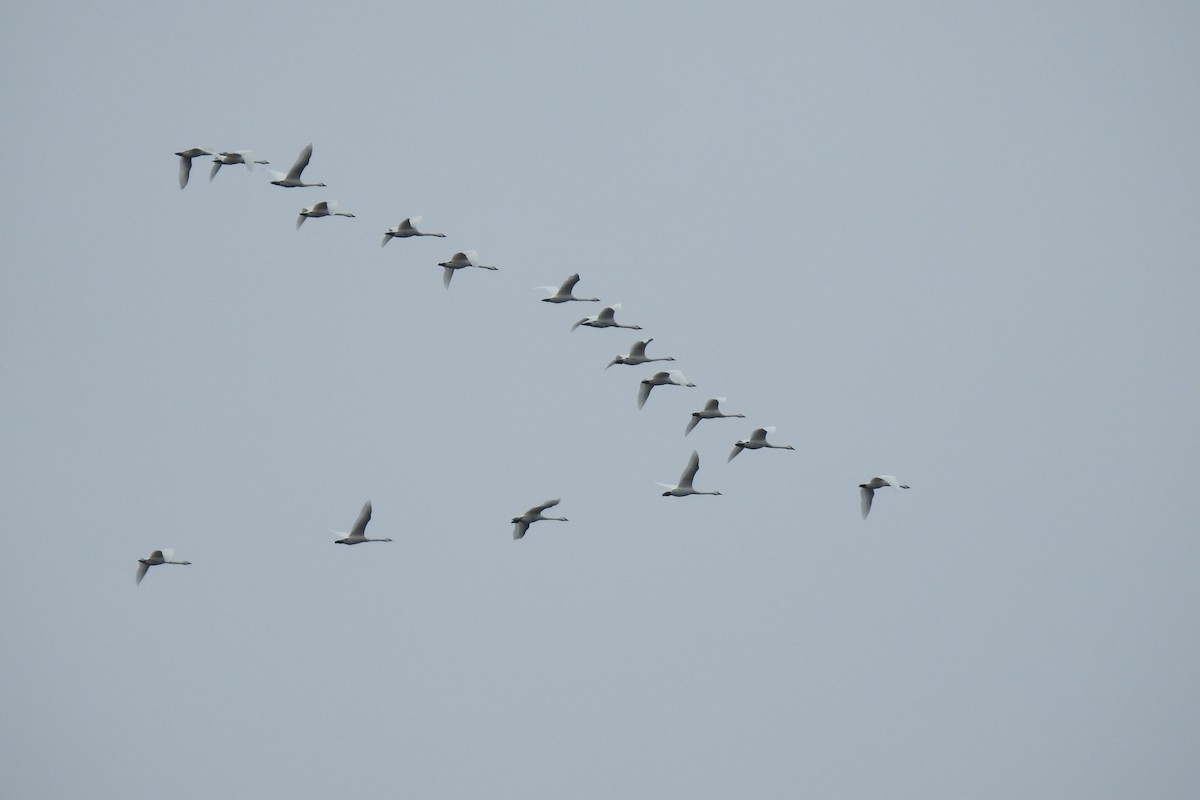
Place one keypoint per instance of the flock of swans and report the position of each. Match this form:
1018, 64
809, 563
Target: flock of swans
564, 293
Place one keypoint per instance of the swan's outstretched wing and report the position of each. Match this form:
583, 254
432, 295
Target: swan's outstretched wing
569, 284
298, 167
689, 472
360, 524
544, 506
387, 237
891, 481
141, 572
185, 169
638, 349
865, 497
447, 275
737, 448
577, 324
644, 392
692, 423
519, 529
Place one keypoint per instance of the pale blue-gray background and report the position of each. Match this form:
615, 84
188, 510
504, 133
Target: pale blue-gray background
953, 242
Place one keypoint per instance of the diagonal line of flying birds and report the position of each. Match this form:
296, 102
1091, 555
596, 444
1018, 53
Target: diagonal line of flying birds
563, 293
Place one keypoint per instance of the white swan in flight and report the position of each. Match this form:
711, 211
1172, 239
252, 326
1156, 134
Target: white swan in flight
669, 378
684, 488
234, 157
467, 258
605, 319
358, 534
866, 490
637, 355
563, 294
407, 228
711, 410
325, 208
293, 179
522, 523
154, 559
185, 162
757, 441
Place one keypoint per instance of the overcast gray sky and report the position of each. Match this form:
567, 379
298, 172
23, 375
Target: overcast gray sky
952, 242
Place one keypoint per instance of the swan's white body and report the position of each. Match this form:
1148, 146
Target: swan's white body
637, 355
405, 229
325, 208
757, 441
292, 179
467, 258
711, 410
669, 378
185, 162
866, 490
563, 294
684, 488
605, 319
234, 157
522, 523
358, 534
154, 559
